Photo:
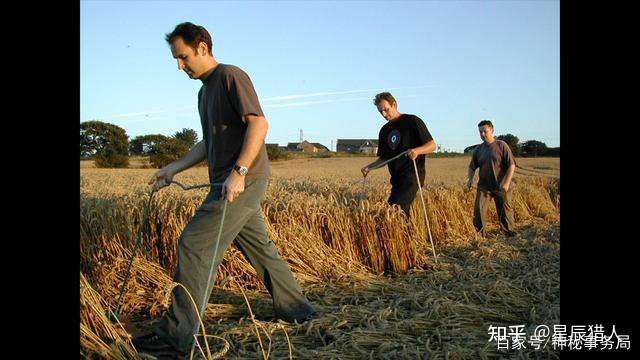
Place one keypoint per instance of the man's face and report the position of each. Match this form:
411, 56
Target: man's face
387, 111
191, 61
486, 132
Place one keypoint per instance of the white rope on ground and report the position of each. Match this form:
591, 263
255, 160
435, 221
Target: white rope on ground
424, 208
205, 297
201, 311
206, 294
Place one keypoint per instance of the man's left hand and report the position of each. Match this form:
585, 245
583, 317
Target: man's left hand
413, 154
233, 186
505, 187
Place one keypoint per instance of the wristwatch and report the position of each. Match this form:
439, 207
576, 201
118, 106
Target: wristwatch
242, 170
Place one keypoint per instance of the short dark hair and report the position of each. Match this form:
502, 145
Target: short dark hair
384, 96
192, 35
485, 122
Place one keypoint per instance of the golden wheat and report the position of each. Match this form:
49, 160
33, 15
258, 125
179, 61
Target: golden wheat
329, 236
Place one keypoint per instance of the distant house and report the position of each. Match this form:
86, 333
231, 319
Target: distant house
366, 146
306, 146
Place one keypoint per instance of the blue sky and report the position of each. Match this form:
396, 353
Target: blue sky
316, 66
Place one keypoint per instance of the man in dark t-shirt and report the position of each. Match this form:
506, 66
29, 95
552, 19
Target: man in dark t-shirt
496, 163
402, 132
234, 129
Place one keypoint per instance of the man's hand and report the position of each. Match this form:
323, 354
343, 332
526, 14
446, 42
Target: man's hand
505, 186
467, 187
233, 186
161, 178
365, 170
413, 154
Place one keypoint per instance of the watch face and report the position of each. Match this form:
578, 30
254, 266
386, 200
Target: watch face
241, 170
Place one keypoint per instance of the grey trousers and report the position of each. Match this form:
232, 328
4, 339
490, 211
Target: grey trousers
503, 206
244, 226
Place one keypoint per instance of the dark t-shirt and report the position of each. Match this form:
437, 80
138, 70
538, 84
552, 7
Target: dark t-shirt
226, 95
407, 132
493, 160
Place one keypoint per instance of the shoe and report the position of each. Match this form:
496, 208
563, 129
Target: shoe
167, 354
150, 342
313, 315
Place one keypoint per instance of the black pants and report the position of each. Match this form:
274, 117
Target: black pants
403, 195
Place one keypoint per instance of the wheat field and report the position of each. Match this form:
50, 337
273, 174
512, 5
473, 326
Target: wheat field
370, 274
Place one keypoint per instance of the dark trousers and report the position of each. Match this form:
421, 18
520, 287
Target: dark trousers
244, 226
403, 196
503, 206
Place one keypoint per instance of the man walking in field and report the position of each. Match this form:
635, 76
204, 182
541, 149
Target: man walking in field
401, 132
234, 129
496, 163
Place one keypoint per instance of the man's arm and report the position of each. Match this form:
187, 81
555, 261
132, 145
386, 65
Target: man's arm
506, 182
470, 173
425, 138
507, 161
473, 165
194, 156
365, 170
426, 148
257, 127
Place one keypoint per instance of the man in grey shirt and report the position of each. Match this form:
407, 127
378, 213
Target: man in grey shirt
497, 165
234, 129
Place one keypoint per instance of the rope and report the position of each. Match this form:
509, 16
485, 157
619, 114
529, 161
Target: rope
145, 224
389, 160
145, 221
364, 178
203, 304
424, 208
537, 172
201, 311
364, 189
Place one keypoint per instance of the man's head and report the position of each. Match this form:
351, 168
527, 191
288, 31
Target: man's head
387, 106
485, 128
191, 46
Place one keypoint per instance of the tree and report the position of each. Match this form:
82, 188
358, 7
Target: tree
166, 151
274, 153
107, 144
533, 148
141, 145
188, 136
512, 141
469, 149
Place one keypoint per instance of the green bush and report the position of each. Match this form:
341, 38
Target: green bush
110, 159
166, 151
275, 154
